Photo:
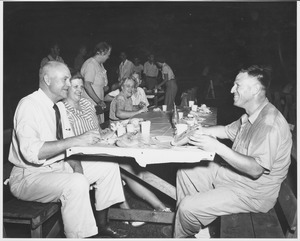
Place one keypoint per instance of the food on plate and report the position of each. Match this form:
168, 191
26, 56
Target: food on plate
135, 121
204, 109
106, 134
157, 109
189, 119
128, 140
183, 138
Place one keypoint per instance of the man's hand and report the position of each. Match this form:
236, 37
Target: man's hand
88, 138
205, 142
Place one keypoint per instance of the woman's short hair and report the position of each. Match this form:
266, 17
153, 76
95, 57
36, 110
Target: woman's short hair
76, 76
102, 48
124, 81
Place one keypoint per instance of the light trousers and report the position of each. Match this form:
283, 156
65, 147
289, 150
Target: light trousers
199, 202
57, 182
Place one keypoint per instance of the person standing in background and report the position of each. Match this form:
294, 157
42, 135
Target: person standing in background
80, 58
150, 72
53, 55
95, 77
138, 67
125, 67
170, 82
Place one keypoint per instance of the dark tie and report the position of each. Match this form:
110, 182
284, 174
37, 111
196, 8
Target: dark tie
59, 134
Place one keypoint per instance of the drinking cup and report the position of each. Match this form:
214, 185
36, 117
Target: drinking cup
146, 126
121, 131
180, 115
164, 107
130, 128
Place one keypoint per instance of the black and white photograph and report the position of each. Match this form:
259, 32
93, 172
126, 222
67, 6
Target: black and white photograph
149, 119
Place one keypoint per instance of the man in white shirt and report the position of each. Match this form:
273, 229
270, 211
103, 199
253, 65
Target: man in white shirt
125, 67
150, 72
40, 172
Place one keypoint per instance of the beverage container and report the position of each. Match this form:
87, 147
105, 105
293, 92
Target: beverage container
164, 107
121, 131
130, 128
175, 117
180, 115
146, 126
191, 103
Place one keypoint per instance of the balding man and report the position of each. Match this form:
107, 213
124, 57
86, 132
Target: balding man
40, 172
257, 163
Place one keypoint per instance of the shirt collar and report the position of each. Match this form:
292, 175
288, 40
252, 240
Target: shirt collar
254, 116
45, 98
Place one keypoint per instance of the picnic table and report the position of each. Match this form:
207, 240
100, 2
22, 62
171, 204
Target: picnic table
152, 151
155, 148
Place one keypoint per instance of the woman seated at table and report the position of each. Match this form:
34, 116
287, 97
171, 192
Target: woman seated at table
121, 107
82, 116
139, 97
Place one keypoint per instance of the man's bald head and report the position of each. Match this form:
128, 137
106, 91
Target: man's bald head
54, 80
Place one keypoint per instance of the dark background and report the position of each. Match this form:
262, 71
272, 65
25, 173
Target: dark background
191, 35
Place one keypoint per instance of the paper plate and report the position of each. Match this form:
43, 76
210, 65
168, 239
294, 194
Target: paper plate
163, 138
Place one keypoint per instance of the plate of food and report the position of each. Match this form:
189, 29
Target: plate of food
183, 138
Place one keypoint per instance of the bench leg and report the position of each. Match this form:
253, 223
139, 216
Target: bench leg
37, 233
4, 232
54, 230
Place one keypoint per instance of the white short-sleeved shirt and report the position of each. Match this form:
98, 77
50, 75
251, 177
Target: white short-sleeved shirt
166, 69
139, 96
150, 70
95, 73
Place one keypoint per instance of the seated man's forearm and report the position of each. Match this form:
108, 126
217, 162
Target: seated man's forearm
243, 163
216, 131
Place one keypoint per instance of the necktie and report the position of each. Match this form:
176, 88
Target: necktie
59, 134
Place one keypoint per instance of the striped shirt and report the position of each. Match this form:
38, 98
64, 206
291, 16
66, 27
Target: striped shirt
82, 120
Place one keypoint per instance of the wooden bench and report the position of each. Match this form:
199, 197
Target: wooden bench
146, 215
43, 218
279, 222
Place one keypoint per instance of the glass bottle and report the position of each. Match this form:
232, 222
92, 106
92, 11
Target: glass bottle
175, 118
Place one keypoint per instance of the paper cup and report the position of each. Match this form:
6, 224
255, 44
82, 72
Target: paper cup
146, 125
164, 107
194, 107
180, 115
130, 128
181, 128
191, 103
121, 131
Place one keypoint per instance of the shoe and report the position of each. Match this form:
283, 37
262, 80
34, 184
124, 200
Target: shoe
108, 232
203, 233
168, 210
135, 224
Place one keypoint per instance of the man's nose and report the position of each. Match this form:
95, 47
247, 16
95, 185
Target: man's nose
233, 89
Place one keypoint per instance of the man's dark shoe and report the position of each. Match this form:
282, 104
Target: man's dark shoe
108, 232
